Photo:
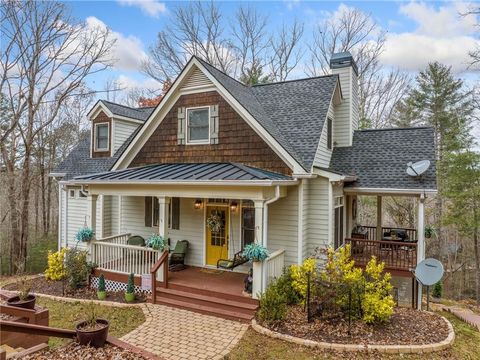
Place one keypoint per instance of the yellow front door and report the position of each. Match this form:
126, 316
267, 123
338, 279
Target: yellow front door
217, 241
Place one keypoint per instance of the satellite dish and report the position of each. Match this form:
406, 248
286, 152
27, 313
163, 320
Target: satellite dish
417, 168
429, 271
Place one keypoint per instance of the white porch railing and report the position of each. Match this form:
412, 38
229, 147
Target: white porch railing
116, 239
123, 258
274, 265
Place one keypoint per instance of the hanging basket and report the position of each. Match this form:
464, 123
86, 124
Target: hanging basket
215, 222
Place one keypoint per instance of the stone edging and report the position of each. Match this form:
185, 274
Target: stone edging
391, 349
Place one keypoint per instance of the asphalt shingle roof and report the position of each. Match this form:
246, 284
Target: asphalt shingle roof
292, 112
141, 114
79, 162
186, 172
379, 158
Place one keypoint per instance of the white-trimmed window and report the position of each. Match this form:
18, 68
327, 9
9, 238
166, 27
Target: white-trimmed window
102, 141
198, 125
71, 193
248, 223
338, 222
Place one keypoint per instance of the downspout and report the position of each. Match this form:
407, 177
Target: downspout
265, 230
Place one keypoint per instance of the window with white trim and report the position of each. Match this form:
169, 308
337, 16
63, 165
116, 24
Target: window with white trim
248, 223
102, 137
338, 222
198, 125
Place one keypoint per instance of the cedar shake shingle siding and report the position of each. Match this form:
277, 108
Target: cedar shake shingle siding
101, 118
238, 142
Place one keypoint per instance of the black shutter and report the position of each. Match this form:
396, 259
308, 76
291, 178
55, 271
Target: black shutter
176, 213
148, 211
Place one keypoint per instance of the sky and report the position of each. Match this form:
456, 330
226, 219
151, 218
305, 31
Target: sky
417, 32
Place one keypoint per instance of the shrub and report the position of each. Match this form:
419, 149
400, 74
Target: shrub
299, 276
84, 234
77, 268
378, 303
284, 284
157, 242
255, 252
273, 304
56, 266
130, 284
437, 290
101, 283
340, 267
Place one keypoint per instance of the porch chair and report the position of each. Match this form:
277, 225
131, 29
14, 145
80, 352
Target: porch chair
136, 240
230, 264
177, 257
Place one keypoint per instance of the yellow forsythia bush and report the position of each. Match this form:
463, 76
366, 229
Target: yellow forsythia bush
56, 267
299, 276
377, 303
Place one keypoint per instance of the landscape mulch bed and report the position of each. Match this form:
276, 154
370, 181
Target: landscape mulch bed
75, 351
43, 286
405, 327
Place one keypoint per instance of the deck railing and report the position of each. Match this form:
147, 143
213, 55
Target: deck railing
123, 258
372, 232
397, 255
162, 275
116, 239
274, 265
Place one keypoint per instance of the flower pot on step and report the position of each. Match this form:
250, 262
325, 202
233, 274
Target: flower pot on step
29, 303
129, 297
92, 336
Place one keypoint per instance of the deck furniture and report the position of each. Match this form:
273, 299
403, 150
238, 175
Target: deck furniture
230, 264
177, 257
136, 240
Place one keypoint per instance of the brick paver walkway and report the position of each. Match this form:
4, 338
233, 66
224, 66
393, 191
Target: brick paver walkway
176, 334
466, 315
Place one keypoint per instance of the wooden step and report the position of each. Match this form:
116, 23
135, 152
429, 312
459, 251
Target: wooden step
208, 310
220, 295
206, 300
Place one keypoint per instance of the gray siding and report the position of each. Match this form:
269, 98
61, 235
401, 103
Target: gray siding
121, 131
323, 154
343, 125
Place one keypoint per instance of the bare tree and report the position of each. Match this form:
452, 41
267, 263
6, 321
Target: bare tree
355, 31
52, 55
195, 29
286, 52
474, 53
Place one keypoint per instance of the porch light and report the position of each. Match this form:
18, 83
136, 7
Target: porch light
233, 206
198, 204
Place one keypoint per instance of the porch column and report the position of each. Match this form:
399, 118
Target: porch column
258, 268
420, 242
379, 218
163, 216
92, 212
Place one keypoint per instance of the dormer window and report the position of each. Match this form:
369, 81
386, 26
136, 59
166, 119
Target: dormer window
198, 125
102, 140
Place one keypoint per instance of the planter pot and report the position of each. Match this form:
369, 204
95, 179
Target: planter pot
96, 337
26, 304
102, 295
129, 297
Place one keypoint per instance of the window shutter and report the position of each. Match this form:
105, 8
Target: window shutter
175, 213
148, 211
181, 126
214, 124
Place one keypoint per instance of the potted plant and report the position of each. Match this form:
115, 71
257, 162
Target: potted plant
84, 235
157, 242
24, 299
429, 231
255, 252
130, 293
101, 292
93, 331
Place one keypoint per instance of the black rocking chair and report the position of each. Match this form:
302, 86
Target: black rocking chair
230, 264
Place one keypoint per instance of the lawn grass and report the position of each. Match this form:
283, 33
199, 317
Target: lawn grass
65, 314
256, 346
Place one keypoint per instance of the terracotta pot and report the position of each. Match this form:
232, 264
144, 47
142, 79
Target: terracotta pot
95, 338
26, 304
129, 297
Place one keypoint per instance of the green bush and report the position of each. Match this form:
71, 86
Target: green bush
101, 283
284, 284
437, 290
273, 304
77, 268
130, 284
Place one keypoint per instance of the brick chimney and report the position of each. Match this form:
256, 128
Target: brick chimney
346, 114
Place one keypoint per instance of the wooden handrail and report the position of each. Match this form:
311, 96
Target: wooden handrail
153, 274
36, 329
113, 237
28, 314
123, 246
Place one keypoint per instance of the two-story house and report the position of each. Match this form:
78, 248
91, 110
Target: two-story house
281, 164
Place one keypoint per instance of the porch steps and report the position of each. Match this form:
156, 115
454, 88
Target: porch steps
212, 304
